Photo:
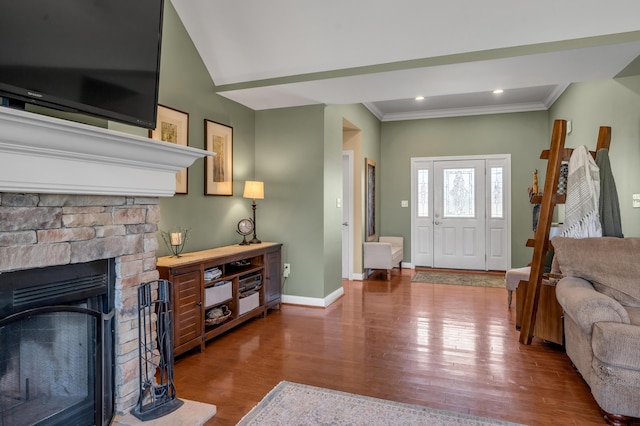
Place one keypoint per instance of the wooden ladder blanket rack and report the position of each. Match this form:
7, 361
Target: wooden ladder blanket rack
555, 155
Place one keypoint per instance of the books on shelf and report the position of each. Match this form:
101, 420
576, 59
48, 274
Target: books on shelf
212, 274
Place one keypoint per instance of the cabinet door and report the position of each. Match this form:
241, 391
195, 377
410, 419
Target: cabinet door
272, 274
187, 307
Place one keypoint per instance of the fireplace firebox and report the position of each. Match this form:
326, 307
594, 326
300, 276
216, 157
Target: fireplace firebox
57, 345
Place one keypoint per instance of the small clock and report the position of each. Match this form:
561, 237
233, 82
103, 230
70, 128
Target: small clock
245, 227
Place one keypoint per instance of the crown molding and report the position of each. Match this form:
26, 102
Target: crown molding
468, 111
462, 112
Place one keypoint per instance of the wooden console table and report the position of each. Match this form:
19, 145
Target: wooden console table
549, 325
246, 279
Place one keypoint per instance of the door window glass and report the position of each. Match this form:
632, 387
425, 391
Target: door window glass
423, 193
497, 193
459, 191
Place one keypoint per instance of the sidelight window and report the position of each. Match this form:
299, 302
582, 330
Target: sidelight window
497, 193
423, 193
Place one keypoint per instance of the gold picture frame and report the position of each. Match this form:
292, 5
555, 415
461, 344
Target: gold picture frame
370, 194
218, 178
173, 127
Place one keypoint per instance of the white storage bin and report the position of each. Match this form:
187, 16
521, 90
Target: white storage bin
217, 294
248, 303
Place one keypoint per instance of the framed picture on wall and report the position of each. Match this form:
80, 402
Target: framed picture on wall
370, 194
219, 167
173, 126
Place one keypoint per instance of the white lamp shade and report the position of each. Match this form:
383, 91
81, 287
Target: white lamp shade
254, 189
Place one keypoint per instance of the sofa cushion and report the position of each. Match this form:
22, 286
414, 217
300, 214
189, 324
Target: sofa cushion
634, 314
610, 264
513, 277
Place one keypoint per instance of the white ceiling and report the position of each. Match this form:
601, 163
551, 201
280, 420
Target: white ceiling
283, 53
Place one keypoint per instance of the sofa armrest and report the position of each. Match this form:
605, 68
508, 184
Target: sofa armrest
617, 344
585, 306
377, 255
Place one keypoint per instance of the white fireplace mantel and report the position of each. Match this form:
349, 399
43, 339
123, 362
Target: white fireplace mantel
41, 154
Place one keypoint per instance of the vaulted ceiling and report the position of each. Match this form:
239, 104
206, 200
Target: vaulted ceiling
283, 53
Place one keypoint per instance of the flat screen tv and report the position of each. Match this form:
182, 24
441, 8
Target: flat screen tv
97, 57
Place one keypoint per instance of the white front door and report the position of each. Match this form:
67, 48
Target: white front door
460, 212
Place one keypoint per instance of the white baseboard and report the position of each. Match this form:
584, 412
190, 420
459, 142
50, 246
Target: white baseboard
313, 301
361, 277
323, 303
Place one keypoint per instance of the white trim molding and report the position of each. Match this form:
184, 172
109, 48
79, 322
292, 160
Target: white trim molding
41, 154
313, 301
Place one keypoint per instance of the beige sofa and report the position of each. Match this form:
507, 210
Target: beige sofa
384, 254
600, 298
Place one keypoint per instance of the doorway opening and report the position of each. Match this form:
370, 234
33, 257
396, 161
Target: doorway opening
351, 201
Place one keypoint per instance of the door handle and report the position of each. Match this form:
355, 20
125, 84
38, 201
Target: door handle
345, 224
437, 222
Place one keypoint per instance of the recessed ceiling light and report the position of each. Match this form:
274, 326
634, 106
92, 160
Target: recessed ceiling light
419, 98
497, 91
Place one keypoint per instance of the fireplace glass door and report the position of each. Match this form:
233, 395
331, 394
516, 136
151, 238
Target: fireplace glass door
50, 364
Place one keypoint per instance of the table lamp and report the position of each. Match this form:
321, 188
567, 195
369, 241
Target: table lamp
255, 191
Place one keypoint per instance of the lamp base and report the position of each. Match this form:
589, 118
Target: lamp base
255, 239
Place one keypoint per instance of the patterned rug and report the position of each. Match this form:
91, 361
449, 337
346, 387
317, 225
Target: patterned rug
295, 404
476, 280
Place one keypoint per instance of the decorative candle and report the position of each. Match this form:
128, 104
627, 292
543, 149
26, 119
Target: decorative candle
176, 238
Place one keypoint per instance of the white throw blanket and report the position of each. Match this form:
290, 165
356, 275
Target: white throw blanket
583, 191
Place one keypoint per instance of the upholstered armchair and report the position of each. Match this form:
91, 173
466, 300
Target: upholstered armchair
600, 298
384, 254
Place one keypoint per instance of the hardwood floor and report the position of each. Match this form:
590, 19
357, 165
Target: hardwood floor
442, 346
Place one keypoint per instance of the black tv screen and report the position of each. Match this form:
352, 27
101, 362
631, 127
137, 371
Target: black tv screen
99, 57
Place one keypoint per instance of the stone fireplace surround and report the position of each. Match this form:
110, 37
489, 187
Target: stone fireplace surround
38, 230
72, 193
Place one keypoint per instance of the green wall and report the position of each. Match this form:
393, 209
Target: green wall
614, 103
332, 191
369, 127
299, 157
186, 85
289, 159
523, 135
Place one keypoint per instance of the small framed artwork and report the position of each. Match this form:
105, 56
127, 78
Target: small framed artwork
173, 126
218, 179
370, 190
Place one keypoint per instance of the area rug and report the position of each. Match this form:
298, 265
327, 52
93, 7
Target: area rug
295, 404
476, 280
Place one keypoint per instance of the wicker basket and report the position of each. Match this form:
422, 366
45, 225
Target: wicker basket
219, 319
